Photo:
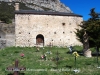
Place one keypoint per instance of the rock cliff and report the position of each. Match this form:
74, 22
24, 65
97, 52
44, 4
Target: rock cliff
44, 5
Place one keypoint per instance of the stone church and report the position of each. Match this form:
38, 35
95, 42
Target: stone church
42, 28
45, 28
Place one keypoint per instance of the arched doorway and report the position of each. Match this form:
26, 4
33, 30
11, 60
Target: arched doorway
40, 39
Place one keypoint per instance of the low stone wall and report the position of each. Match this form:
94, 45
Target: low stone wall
7, 35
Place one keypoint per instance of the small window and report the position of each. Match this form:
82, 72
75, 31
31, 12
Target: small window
69, 23
70, 31
47, 25
63, 32
19, 32
63, 24
55, 33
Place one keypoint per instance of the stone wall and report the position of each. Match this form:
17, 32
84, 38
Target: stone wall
10, 40
7, 35
57, 30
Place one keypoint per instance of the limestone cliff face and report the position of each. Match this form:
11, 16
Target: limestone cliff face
44, 5
48, 5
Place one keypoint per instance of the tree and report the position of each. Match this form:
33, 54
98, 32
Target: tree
7, 11
92, 28
5, 18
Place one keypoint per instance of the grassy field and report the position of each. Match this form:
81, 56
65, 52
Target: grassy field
37, 66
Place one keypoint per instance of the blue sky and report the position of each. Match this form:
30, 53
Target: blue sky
82, 7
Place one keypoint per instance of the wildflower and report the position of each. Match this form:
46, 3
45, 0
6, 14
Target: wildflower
66, 59
75, 54
49, 52
13, 63
42, 56
22, 54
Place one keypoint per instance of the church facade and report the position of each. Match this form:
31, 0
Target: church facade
46, 28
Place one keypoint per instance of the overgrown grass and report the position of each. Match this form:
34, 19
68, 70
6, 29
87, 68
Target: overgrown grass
36, 66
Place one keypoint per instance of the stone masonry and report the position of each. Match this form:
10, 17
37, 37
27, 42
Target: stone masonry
7, 35
55, 28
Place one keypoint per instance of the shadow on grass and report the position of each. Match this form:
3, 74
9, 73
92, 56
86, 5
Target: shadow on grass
19, 74
79, 52
82, 54
68, 66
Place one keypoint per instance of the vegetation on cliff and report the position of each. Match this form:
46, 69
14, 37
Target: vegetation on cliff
7, 11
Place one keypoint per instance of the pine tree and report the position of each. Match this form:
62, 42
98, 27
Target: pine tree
92, 28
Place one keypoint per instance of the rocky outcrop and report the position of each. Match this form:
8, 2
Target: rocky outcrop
48, 5
7, 28
44, 5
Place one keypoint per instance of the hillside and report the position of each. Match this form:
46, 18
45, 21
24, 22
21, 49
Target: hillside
7, 7
43, 5
7, 11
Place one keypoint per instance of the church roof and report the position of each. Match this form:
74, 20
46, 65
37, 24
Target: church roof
46, 13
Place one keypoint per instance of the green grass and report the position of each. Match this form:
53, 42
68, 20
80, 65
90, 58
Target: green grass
34, 64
